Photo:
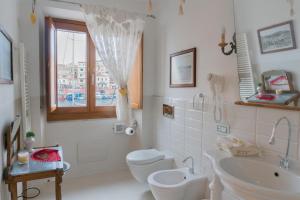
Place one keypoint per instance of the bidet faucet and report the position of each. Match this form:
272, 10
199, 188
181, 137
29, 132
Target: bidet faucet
284, 162
192, 169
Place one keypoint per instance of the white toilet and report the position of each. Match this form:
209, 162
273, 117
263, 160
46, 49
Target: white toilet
142, 163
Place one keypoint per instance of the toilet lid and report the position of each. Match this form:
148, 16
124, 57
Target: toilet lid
141, 157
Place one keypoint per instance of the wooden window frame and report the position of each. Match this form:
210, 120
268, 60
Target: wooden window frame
91, 111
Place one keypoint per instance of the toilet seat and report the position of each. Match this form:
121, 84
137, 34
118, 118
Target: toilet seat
142, 157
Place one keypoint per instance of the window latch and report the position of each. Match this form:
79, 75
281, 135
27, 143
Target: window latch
93, 78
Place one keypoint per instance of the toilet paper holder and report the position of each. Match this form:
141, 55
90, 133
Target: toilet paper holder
134, 124
131, 130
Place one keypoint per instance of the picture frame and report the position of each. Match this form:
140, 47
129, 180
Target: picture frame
277, 38
6, 58
277, 80
183, 68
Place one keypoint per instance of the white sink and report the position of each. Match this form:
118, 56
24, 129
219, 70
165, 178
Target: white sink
257, 178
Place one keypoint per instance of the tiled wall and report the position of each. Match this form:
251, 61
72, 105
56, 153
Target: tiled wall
185, 135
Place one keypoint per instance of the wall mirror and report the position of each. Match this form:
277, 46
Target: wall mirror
268, 57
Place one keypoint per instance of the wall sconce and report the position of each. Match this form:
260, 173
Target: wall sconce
292, 9
181, 7
33, 13
150, 9
223, 44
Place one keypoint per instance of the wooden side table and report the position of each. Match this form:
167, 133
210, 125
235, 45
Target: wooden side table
13, 180
34, 170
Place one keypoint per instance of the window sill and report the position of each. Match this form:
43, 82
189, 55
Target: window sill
51, 117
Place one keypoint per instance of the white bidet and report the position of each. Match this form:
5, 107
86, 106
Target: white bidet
178, 184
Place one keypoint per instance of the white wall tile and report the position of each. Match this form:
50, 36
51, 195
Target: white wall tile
179, 114
193, 133
235, 112
193, 114
193, 147
177, 146
242, 121
192, 123
177, 131
245, 135
209, 127
263, 128
209, 141
178, 102
208, 117
279, 147
190, 134
251, 124
242, 124
271, 115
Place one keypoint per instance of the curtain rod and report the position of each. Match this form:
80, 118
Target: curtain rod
67, 2
80, 5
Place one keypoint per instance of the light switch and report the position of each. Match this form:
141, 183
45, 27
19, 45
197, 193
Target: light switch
223, 129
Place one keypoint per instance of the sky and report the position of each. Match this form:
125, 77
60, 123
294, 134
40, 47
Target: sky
65, 43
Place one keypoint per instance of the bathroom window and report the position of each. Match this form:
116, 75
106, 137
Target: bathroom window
78, 85
71, 68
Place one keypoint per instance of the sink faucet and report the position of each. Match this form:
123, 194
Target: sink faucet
284, 162
191, 169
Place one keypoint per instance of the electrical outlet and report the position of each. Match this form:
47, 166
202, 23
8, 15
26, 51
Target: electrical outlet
223, 129
119, 128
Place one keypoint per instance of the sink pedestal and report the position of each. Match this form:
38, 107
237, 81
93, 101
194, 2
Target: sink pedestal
216, 188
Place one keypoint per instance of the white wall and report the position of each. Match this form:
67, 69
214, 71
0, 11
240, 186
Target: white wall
30, 37
200, 27
268, 13
89, 145
189, 133
9, 94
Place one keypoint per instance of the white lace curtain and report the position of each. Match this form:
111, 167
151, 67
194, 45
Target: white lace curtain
116, 35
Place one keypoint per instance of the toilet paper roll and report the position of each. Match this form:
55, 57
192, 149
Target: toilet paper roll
129, 131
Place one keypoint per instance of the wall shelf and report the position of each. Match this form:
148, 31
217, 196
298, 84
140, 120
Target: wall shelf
272, 106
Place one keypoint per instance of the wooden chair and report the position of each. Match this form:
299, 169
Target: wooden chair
16, 173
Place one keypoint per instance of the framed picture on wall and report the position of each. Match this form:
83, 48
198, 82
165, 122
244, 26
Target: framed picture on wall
6, 58
276, 38
183, 69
